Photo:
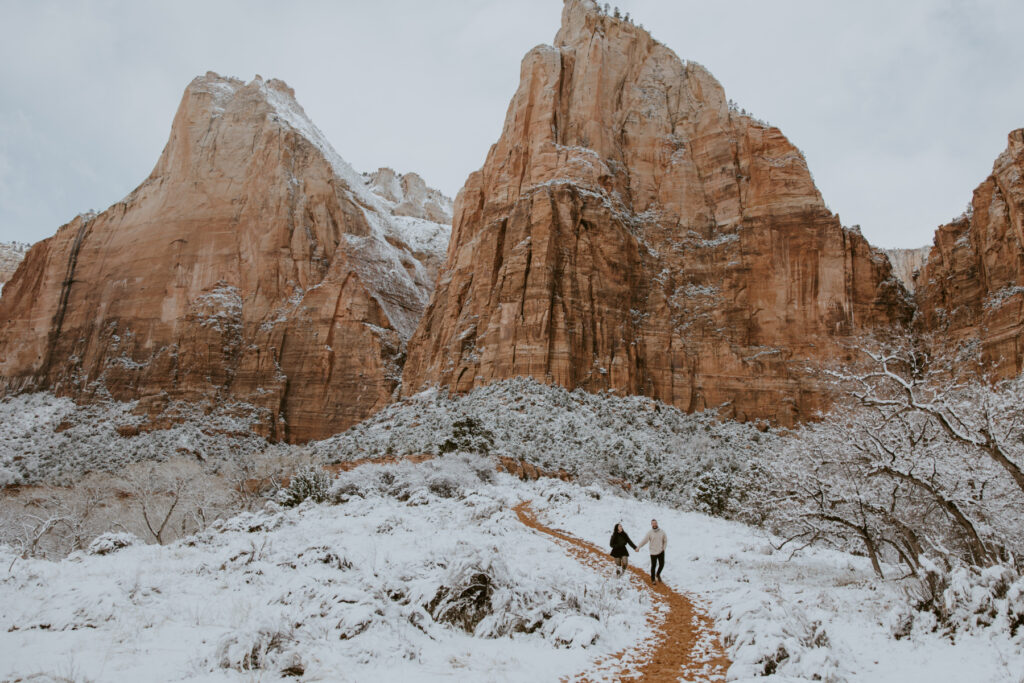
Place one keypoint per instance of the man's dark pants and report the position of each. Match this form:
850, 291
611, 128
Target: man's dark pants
657, 564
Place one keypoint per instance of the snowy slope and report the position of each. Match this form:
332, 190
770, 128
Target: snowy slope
824, 608
362, 589
45, 439
642, 442
369, 586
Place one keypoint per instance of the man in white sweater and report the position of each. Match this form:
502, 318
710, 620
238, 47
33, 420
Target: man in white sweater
658, 540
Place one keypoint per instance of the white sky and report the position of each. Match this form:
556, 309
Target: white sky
901, 107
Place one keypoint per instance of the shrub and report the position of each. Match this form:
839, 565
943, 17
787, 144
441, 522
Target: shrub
713, 492
258, 649
111, 542
958, 596
463, 605
468, 436
309, 483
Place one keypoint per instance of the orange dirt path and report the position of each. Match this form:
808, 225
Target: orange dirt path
685, 645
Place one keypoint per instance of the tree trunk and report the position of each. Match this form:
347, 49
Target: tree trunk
979, 552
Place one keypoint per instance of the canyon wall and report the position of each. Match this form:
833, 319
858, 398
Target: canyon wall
972, 287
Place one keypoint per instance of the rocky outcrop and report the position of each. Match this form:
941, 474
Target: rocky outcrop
252, 265
906, 263
632, 232
421, 215
972, 286
11, 255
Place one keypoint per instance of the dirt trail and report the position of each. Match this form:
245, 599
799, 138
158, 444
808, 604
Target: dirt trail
685, 645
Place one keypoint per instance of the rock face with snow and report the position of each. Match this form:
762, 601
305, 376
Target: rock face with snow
631, 231
11, 254
906, 263
252, 264
972, 287
420, 215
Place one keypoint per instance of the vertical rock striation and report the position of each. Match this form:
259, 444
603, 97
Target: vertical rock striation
253, 264
630, 231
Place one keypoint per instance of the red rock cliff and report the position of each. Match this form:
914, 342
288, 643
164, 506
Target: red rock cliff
972, 285
630, 232
253, 264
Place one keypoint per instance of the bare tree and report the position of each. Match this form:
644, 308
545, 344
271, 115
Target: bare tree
919, 458
54, 523
158, 491
982, 416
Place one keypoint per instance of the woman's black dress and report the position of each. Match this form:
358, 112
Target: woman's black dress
620, 539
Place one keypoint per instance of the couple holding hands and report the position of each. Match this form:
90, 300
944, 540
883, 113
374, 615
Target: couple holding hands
656, 537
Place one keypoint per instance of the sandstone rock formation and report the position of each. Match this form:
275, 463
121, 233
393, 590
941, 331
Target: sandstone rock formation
629, 231
972, 286
906, 263
252, 265
421, 215
11, 255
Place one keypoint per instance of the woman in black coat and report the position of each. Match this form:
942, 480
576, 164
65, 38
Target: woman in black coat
620, 539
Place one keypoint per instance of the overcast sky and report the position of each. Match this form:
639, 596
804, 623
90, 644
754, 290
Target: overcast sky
901, 107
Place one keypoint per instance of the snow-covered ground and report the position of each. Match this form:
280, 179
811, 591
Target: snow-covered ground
423, 572
824, 607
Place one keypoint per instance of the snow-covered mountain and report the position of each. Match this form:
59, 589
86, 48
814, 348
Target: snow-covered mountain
253, 265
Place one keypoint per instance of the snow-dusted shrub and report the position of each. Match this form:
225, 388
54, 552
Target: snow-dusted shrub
480, 595
444, 486
250, 522
451, 476
576, 631
309, 483
764, 637
466, 599
110, 542
713, 492
269, 648
962, 597
468, 436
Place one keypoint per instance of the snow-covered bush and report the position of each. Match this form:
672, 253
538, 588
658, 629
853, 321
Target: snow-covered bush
468, 436
464, 600
250, 522
266, 648
713, 492
8, 476
766, 636
110, 542
309, 483
963, 597
450, 476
